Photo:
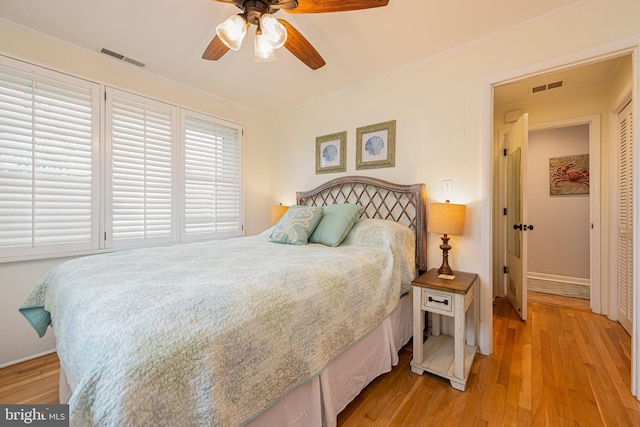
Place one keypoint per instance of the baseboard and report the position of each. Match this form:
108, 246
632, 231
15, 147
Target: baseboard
25, 359
559, 285
556, 278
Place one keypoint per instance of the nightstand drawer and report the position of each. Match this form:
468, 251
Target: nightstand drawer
441, 302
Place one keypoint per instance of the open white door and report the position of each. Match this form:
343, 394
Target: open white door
516, 273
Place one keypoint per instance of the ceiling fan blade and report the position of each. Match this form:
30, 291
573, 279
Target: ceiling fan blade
284, 4
215, 50
325, 6
301, 48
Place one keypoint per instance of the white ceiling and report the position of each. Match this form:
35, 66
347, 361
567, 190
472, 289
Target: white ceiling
170, 36
583, 77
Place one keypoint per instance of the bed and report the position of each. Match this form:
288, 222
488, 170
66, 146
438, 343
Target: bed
243, 331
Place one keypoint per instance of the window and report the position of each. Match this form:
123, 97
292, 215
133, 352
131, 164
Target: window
155, 174
48, 181
140, 132
212, 177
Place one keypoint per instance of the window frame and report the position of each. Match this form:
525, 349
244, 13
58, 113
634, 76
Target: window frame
129, 243
101, 189
35, 73
184, 236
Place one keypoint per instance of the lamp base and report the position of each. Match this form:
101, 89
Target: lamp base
444, 268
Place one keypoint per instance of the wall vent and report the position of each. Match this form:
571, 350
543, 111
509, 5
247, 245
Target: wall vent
548, 86
121, 57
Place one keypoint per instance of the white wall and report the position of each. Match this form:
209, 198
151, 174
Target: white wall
17, 339
443, 111
559, 243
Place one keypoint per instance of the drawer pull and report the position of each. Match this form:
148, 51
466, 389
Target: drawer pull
445, 302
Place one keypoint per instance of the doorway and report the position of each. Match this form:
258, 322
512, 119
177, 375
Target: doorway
558, 174
554, 101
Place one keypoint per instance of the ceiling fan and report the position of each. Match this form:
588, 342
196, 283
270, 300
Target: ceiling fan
272, 33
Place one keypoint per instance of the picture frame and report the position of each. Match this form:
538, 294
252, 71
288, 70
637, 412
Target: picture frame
569, 175
376, 146
331, 153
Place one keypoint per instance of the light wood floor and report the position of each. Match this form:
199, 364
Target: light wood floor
564, 366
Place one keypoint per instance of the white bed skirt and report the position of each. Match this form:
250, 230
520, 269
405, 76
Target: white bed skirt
318, 401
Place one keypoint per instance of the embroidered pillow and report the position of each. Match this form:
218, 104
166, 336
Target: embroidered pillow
296, 225
336, 223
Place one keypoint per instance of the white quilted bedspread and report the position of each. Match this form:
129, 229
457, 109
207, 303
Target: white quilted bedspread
212, 333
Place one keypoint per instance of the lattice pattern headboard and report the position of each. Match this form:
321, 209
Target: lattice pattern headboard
405, 204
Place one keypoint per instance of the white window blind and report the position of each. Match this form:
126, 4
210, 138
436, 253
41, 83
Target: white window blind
212, 177
76, 178
48, 184
140, 132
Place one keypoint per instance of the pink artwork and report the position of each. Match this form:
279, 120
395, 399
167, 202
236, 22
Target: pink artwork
569, 175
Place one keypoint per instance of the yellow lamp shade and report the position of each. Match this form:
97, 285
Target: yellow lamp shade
446, 218
276, 213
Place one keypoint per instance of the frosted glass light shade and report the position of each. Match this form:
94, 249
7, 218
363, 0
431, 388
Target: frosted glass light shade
232, 31
263, 49
446, 218
275, 32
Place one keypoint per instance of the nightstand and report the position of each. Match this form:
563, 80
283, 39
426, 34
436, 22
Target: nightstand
450, 357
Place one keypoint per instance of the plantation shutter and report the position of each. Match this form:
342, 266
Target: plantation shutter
625, 220
140, 132
212, 177
48, 169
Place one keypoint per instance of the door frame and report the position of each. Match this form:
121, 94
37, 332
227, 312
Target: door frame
490, 165
597, 297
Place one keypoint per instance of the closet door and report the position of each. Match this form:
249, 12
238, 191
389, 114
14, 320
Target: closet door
625, 221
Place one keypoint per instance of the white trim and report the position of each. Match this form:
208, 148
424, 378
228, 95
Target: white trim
555, 278
26, 359
485, 273
635, 341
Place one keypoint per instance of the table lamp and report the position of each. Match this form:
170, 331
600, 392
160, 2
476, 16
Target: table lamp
276, 213
446, 218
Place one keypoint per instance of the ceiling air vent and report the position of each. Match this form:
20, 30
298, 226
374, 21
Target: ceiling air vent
555, 85
122, 57
538, 89
548, 86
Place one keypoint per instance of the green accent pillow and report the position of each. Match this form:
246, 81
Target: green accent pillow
296, 225
336, 223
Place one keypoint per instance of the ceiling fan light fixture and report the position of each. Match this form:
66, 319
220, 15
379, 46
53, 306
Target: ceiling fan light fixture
232, 31
264, 51
273, 30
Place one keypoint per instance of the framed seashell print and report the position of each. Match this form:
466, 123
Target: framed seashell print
376, 146
331, 153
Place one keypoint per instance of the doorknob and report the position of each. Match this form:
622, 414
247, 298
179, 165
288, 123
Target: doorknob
523, 227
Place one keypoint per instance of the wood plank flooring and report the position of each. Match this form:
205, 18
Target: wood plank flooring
564, 366
31, 382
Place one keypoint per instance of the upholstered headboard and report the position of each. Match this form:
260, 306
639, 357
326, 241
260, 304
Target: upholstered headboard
405, 204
